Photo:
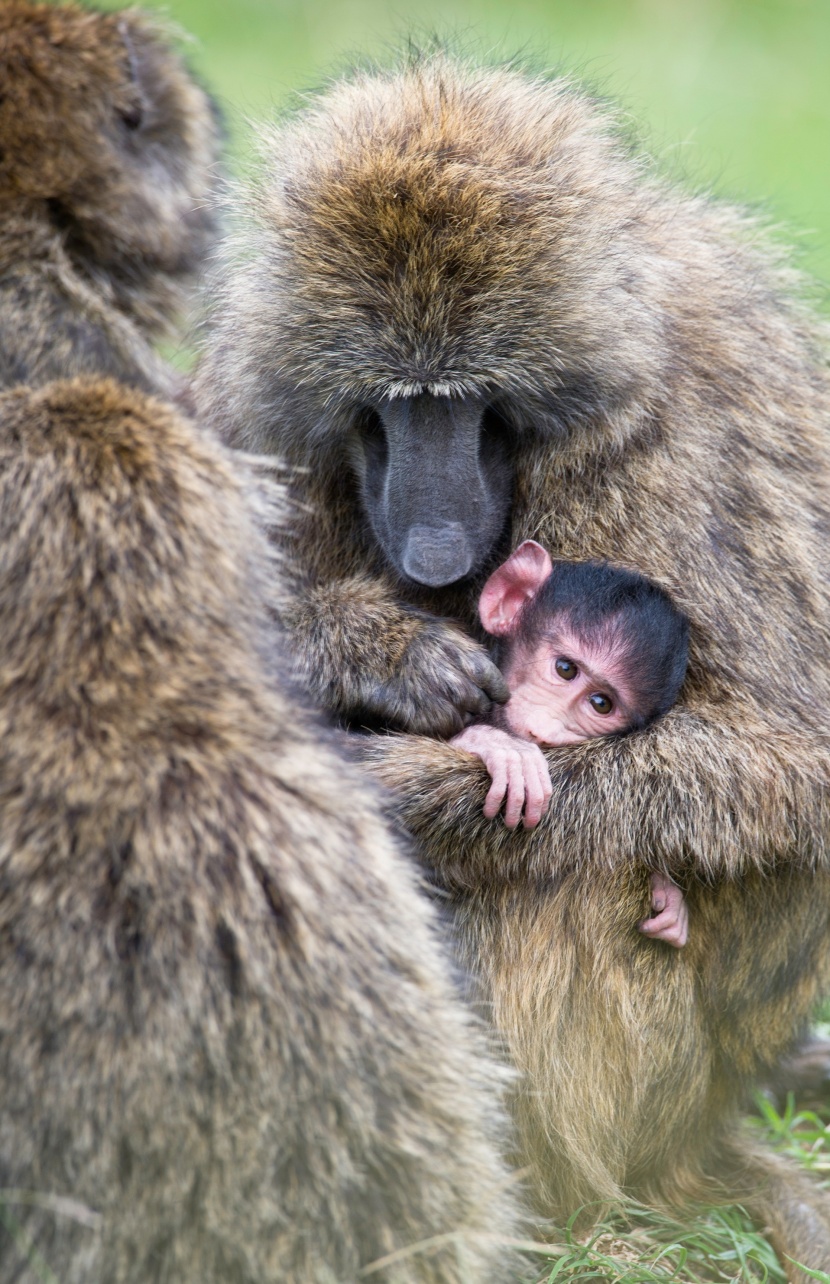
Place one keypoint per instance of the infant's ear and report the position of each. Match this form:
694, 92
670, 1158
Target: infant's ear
509, 587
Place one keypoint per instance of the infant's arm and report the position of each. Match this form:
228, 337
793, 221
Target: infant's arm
518, 769
670, 921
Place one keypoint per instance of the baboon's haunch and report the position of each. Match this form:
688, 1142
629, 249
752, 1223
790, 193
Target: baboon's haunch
230, 1053
478, 317
107, 153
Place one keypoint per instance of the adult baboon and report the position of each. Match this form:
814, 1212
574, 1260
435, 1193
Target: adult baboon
107, 153
230, 1051
477, 317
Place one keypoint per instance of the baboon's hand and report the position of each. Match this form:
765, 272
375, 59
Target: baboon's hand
366, 656
443, 682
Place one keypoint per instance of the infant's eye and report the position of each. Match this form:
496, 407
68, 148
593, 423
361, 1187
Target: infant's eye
566, 669
601, 703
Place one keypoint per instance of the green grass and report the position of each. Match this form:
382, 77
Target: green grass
710, 1245
640, 1246
802, 1134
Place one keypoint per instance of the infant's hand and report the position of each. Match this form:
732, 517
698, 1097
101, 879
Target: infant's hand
518, 769
671, 915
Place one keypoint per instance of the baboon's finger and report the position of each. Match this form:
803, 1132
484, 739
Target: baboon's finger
490, 679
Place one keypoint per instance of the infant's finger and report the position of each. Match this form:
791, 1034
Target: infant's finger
666, 927
674, 936
533, 806
515, 794
547, 783
658, 923
545, 780
496, 792
535, 801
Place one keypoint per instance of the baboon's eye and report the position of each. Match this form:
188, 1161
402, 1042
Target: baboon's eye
369, 421
372, 433
601, 703
566, 668
494, 424
132, 117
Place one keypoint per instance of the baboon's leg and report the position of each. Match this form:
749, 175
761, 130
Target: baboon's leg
789, 1206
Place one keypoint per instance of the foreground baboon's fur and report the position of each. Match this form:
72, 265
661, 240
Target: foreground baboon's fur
108, 149
230, 1049
443, 257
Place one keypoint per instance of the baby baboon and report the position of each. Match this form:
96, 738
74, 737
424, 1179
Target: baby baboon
107, 151
478, 318
230, 1051
587, 650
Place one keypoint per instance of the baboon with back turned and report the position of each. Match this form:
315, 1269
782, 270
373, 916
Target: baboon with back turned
476, 316
230, 1049
108, 150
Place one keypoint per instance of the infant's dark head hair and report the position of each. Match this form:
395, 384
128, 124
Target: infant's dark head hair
623, 611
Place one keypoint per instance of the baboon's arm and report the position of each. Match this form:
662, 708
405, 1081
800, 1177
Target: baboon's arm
687, 791
362, 653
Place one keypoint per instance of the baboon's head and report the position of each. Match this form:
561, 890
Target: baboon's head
103, 129
443, 275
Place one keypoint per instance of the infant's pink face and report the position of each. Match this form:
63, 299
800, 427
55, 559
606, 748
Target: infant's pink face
563, 692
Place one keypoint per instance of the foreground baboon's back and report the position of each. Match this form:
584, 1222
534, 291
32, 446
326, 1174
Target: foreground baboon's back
229, 1047
109, 149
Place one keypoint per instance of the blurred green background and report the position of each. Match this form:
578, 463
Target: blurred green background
733, 94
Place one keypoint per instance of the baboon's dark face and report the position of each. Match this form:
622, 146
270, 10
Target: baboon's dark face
436, 482
428, 246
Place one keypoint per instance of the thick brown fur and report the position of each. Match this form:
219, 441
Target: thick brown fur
231, 1052
635, 1058
108, 149
460, 231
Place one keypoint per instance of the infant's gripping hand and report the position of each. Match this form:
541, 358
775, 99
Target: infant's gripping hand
518, 770
366, 656
670, 914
